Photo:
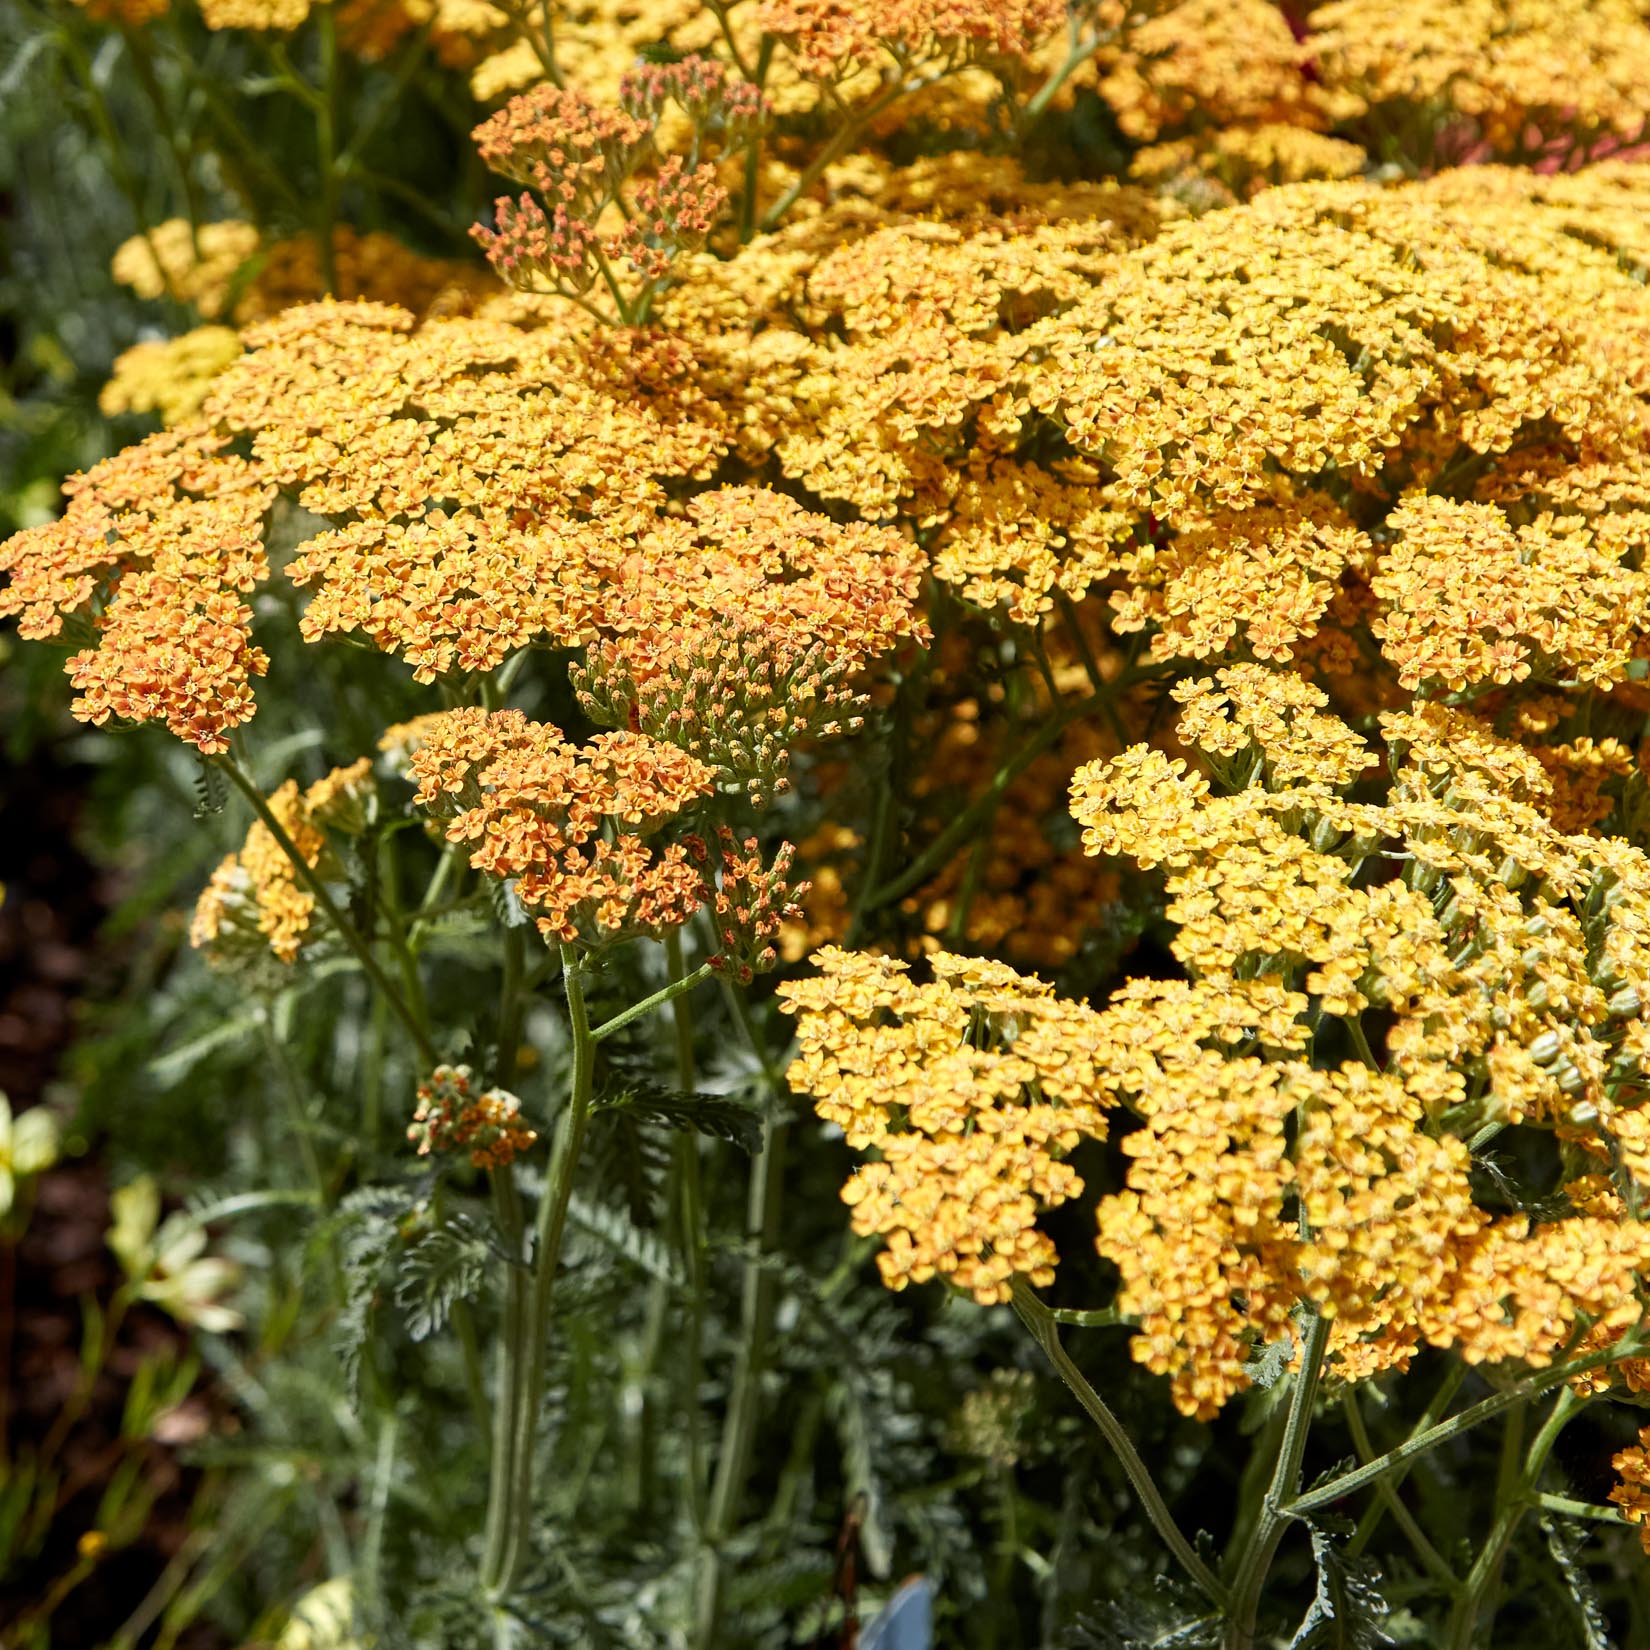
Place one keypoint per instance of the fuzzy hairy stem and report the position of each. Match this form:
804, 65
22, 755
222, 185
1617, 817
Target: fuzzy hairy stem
1249, 1580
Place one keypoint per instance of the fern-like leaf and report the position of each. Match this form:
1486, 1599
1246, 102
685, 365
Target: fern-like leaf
1565, 1541
1349, 1611
712, 1114
444, 1266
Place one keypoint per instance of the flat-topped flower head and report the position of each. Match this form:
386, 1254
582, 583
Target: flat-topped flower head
572, 826
153, 557
972, 1089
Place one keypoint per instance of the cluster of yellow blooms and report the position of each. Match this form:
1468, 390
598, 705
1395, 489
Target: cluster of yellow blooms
972, 1089
1504, 957
1304, 517
254, 901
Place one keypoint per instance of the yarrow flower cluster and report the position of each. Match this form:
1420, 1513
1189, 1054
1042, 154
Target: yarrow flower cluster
750, 901
737, 695
571, 827
577, 157
255, 903
972, 1090
453, 1117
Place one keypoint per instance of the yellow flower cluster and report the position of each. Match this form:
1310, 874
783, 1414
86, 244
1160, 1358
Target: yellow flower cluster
283, 15
1507, 960
194, 266
254, 900
568, 824
1237, 162
221, 271
1521, 71
169, 376
972, 1089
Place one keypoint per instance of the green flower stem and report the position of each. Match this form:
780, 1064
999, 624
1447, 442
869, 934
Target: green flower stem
690, 1210
1041, 1322
1431, 1559
910, 696
506, 1513
840, 140
1422, 1442
1567, 1508
1255, 1561
113, 148
1430, 1416
502, 1523
166, 125
1482, 1579
1077, 54
510, 1498
758, 1300
753, 150
1074, 626
1103, 1318
328, 908
667, 994
1360, 1042
512, 1007
389, 101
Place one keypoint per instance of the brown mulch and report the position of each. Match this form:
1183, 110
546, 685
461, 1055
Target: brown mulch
54, 904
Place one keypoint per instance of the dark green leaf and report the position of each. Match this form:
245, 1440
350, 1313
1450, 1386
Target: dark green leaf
711, 1114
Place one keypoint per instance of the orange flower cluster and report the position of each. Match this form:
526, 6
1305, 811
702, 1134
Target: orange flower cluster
1632, 1494
451, 1117
972, 1090
830, 40
154, 556
578, 156
568, 825
750, 902
254, 903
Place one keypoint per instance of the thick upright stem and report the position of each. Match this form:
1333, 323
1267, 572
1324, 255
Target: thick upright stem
510, 1509
502, 1522
1256, 1560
